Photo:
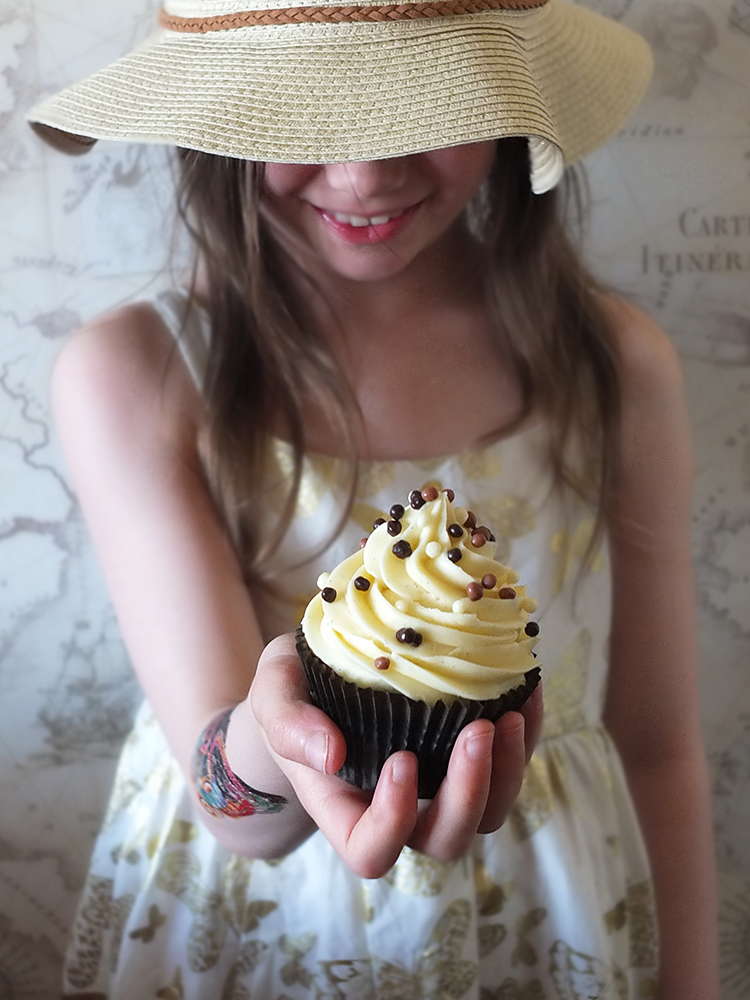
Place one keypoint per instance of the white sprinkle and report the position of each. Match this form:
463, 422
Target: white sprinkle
402, 606
323, 580
461, 514
458, 607
433, 549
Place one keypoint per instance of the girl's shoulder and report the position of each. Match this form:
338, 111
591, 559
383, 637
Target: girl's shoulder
653, 477
648, 360
122, 369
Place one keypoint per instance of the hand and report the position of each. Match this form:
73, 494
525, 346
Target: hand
369, 829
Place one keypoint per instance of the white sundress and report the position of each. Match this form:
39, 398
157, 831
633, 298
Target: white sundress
557, 905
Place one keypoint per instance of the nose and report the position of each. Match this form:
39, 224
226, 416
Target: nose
368, 178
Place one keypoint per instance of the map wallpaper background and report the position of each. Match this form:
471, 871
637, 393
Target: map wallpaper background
670, 229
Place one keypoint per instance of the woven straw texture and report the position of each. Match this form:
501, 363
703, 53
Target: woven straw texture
332, 92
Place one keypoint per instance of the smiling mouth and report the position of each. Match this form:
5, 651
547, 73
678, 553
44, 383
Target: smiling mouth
360, 221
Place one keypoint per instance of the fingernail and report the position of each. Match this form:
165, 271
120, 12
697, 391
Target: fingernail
400, 771
316, 750
480, 747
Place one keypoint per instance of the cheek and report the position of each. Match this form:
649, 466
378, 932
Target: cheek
462, 169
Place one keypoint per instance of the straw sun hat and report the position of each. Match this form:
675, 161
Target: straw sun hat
302, 81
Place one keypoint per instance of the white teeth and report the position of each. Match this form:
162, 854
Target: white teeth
359, 220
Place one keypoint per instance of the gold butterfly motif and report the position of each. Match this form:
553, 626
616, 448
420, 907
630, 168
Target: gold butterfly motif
482, 463
348, 979
156, 919
578, 976
641, 910
250, 955
544, 788
98, 913
175, 990
440, 973
374, 477
295, 949
510, 989
524, 953
214, 913
491, 896
571, 547
565, 687
415, 874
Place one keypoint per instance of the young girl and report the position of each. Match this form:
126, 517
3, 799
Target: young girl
385, 299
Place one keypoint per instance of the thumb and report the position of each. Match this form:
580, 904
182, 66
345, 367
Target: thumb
293, 728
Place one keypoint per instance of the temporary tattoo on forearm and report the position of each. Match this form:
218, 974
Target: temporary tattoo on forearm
220, 791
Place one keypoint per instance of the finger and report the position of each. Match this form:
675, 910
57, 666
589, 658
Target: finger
533, 713
445, 830
293, 728
368, 834
508, 764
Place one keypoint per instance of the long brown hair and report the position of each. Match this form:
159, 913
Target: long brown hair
268, 358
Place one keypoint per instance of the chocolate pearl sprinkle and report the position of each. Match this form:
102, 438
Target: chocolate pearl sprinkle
451, 495
455, 555
478, 540
532, 629
506, 593
489, 581
328, 594
416, 499
378, 522
455, 530
396, 511
475, 591
429, 493
361, 583
393, 527
382, 663
406, 635
362, 542
402, 549
485, 531
471, 520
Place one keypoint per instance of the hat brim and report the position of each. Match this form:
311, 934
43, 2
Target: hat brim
324, 93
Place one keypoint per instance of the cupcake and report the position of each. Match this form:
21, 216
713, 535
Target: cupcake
416, 635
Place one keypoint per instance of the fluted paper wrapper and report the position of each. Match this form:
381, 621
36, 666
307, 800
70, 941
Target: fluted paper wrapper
377, 723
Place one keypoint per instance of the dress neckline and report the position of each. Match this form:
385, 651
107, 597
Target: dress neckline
530, 431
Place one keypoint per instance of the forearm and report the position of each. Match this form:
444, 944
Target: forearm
673, 804
242, 796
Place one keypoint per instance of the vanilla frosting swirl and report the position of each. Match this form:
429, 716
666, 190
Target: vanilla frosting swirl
458, 647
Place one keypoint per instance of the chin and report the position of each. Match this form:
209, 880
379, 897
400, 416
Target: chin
368, 270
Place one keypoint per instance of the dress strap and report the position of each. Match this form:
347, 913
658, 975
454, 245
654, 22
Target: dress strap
188, 324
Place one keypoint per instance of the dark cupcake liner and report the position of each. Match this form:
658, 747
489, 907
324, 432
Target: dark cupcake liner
376, 723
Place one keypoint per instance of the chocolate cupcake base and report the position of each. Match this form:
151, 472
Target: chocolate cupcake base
377, 723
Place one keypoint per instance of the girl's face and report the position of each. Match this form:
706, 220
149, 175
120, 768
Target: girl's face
369, 221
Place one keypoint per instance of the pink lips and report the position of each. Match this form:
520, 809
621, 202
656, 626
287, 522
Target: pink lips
364, 235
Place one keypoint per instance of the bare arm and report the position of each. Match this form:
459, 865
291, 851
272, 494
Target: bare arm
652, 707
129, 417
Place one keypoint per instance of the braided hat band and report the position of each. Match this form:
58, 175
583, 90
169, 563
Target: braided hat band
339, 14
322, 83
